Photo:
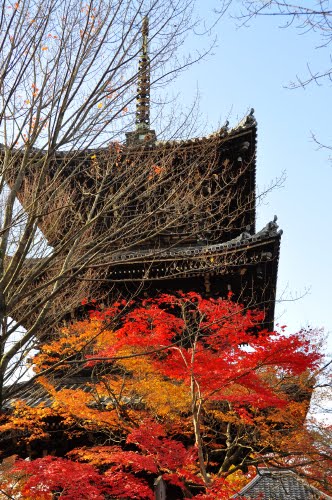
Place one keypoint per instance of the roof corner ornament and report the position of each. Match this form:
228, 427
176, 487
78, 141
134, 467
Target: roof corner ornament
271, 229
249, 120
143, 134
224, 129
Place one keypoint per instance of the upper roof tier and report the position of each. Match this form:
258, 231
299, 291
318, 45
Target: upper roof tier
178, 192
144, 193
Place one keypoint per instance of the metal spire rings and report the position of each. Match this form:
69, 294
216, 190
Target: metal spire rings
143, 88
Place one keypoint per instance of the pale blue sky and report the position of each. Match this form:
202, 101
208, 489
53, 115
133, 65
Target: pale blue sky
250, 68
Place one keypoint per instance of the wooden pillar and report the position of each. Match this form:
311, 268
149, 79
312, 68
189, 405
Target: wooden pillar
207, 284
159, 489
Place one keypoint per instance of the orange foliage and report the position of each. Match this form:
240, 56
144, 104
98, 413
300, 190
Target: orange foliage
170, 378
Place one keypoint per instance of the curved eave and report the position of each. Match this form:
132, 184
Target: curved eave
248, 126
226, 137
202, 258
199, 250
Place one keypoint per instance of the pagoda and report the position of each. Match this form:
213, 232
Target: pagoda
197, 209
194, 212
215, 252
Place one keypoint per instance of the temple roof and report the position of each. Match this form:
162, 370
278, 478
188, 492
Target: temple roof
220, 168
243, 241
34, 394
247, 124
277, 484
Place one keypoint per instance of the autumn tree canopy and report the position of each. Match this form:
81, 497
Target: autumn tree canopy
185, 388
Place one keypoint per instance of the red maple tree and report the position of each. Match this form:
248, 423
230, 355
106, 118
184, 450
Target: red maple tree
193, 387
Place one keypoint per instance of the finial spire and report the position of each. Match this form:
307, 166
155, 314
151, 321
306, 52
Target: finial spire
143, 134
143, 88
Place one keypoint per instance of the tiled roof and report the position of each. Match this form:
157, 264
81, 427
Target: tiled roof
242, 241
276, 484
35, 394
247, 123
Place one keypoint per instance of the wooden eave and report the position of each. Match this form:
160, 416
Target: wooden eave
203, 258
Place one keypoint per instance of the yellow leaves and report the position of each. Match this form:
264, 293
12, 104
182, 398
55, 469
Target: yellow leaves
99, 105
80, 338
238, 479
44, 47
112, 403
293, 414
27, 101
80, 407
71, 400
164, 397
29, 421
135, 379
95, 163
104, 338
227, 416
